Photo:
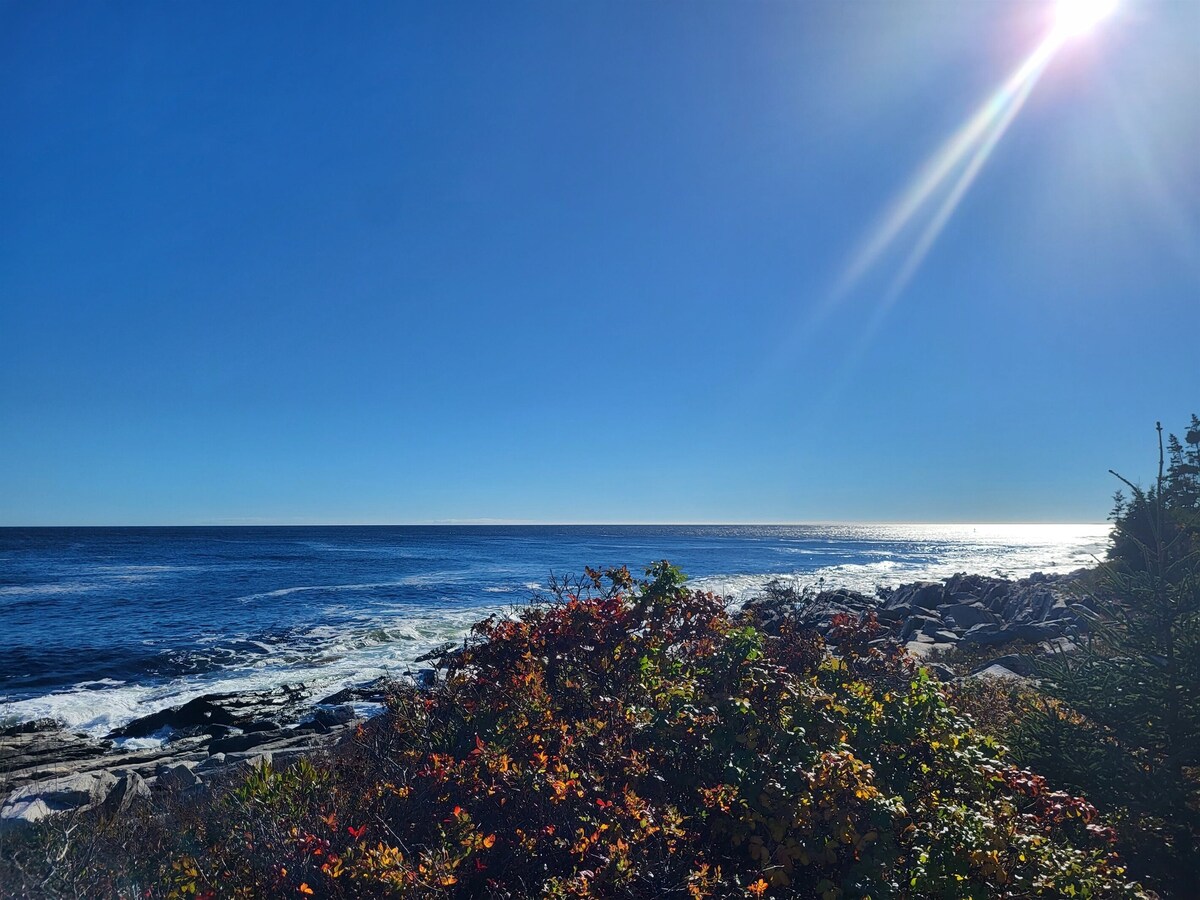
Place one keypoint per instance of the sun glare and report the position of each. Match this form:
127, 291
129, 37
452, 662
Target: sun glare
1076, 17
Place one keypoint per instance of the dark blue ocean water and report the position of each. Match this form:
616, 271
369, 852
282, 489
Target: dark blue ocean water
100, 625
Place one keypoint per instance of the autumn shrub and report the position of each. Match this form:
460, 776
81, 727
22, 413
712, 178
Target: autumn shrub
636, 739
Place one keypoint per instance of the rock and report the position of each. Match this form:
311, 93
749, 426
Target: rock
1058, 645
924, 594
1039, 631
888, 614
922, 648
177, 777
199, 712
932, 626
258, 761
256, 727
967, 615
940, 671
987, 633
339, 715
995, 671
1013, 662
39, 799
239, 742
216, 761
38, 750
34, 726
917, 624
128, 790
437, 653
945, 637
16, 816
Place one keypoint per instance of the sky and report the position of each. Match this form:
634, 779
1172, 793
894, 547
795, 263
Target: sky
586, 262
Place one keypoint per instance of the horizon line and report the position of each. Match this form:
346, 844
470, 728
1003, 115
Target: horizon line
504, 523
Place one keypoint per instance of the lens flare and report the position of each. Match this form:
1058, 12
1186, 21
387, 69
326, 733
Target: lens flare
1076, 17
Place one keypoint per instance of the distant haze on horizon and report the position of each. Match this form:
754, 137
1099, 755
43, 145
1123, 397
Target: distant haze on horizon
588, 262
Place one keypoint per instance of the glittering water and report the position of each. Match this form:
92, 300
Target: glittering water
102, 625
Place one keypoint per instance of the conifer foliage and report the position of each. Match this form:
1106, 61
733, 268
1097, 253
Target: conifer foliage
1128, 729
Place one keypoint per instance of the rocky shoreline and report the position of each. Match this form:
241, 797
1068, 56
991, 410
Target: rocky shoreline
1051, 613
45, 769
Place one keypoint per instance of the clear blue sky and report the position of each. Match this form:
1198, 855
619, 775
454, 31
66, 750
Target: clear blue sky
411, 262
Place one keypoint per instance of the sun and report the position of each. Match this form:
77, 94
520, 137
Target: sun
1076, 17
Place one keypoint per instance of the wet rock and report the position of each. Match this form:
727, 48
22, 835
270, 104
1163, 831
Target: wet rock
199, 713
339, 715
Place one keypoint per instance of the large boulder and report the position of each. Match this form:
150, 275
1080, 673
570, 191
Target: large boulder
924, 594
38, 799
129, 790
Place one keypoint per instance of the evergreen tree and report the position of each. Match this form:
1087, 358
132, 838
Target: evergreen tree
1127, 730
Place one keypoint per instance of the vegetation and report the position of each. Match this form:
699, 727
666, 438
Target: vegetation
637, 739
1122, 719
625, 739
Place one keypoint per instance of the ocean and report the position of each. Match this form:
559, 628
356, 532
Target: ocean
102, 625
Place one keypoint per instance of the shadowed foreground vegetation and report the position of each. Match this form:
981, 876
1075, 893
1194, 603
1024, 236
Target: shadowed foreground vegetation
624, 739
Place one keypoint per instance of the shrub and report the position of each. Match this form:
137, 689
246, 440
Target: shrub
636, 739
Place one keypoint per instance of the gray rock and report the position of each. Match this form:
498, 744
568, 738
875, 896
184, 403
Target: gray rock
926, 594
967, 615
916, 625
128, 790
240, 742
888, 614
339, 715
1039, 631
940, 671
1013, 662
945, 637
177, 777
72, 791
987, 633
932, 626
17, 816
995, 671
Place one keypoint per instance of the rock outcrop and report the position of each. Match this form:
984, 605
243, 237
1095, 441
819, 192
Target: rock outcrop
1052, 611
